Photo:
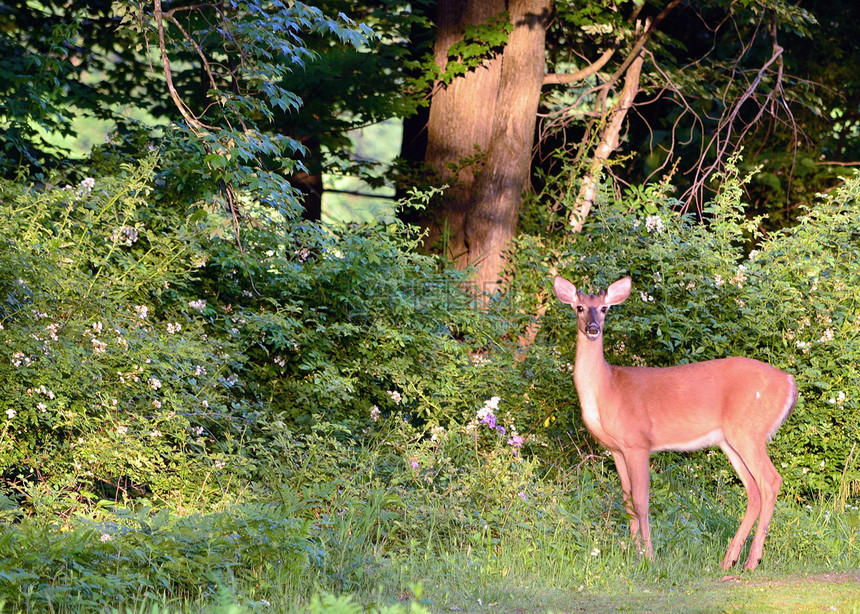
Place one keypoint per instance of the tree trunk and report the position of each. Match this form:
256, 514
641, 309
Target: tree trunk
480, 135
459, 126
494, 211
310, 183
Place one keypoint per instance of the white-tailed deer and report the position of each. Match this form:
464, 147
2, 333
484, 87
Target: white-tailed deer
734, 403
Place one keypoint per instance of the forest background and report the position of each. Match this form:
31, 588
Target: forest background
243, 365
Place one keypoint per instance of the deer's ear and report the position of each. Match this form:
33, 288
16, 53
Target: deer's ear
564, 290
618, 292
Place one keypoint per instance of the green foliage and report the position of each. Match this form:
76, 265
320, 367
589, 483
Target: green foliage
109, 386
479, 42
136, 556
146, 354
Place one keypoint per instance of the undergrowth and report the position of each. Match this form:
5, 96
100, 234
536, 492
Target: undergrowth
377, 533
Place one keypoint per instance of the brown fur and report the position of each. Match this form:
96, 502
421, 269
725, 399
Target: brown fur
735, 403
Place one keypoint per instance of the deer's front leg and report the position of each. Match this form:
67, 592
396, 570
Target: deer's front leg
638, 469
627, 496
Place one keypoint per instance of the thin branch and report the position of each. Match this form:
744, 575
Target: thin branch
722, 137
835, 163
640, 43
582, 73
186, 113
200, 53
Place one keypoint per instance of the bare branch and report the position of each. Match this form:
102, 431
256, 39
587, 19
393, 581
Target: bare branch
186, 113
640, 43
722, 138
607, 144
583, 73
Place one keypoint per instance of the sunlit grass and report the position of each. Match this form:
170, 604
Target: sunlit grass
564, 547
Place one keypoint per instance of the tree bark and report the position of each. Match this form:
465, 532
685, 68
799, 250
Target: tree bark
459, 126
494, 209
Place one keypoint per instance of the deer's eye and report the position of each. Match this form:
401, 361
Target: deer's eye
604, 309
580, 308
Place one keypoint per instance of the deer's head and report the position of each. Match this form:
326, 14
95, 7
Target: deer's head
591, 309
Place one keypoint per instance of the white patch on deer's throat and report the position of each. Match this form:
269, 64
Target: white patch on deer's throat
757, 394
590, 413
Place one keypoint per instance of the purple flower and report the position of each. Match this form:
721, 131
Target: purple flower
489, 420
516, 441
415, 464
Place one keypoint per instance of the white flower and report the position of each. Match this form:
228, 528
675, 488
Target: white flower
105, 537
126, 236
646, 298
653, 223
41, 407
280, 361
229, 381
154, 433
157, 404
839, 399
97, 327
395, 396
595, 552
199, 305
374, 413
51, 328
199, 370
174, 327
142, 311
11, 413
739, 278
122, 430
98, 346
155, 383
19, 358
220, 464
88, 183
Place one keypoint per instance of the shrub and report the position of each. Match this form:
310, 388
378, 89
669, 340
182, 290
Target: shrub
108, 387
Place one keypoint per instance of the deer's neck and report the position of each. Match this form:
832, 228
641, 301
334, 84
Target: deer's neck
591, 371
593, 377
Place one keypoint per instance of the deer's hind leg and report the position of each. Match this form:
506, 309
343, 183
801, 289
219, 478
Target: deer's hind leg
753, 505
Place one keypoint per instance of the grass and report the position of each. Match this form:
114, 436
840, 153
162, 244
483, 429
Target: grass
393, 542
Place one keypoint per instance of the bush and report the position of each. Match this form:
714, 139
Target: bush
109, 386
147, 353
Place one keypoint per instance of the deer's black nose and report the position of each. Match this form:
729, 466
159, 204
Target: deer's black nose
592, 329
